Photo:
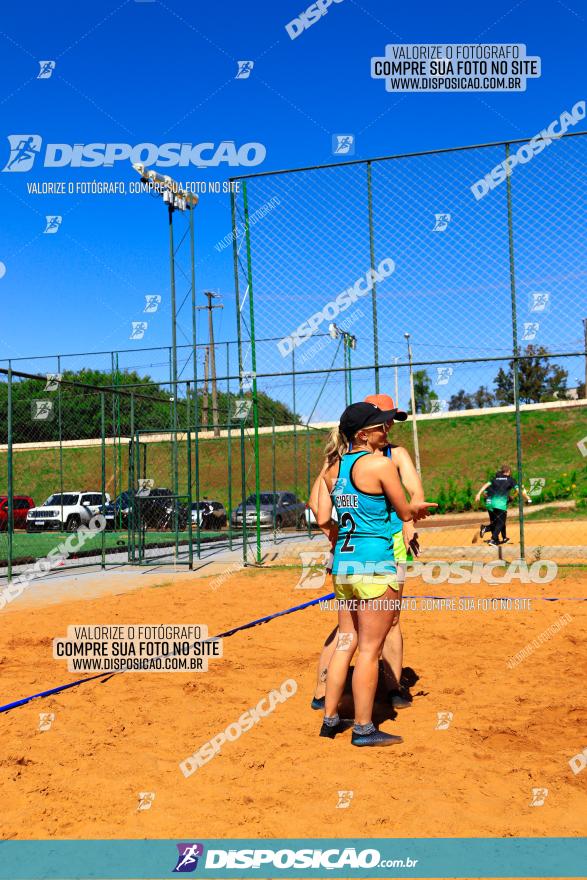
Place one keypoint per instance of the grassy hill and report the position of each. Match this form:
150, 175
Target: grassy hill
457, 456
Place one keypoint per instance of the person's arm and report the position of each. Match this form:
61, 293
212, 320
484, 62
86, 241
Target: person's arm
324, 508
391, 486
481, 490
412, 482
408, 473
313, 499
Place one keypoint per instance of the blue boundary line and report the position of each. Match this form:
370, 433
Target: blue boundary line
268, 617
224, 635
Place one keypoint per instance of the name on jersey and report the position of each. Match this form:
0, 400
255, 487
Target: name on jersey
347, 501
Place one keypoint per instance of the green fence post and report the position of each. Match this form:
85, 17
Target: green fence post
273, 463
516, 361
60, 428
10, 488
236, 288
103, 462
131, 482
189, 474
243, 492
229, 442
295, 425
254, 370
374, 291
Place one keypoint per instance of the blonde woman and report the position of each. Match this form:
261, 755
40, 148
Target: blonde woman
365, 489
404, 537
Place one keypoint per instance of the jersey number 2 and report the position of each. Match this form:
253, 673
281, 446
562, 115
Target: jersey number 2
346, 520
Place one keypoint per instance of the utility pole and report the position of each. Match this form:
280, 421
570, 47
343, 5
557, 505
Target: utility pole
413, 398
205, 394
210, 296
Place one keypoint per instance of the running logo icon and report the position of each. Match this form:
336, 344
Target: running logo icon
538, 797
41, 410
46, 719
313, 570
146, 799
539, 302
343, 145
441, 222
344, 799
53, 223
152, 302
46, 71
53, 380
531, 329
187, 860
443, 720
24, 149
537, 484
244, 69
443, 375
138, 329
242, 408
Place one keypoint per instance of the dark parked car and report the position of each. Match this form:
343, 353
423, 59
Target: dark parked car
21, 504
211, 514
281, 508
153, 508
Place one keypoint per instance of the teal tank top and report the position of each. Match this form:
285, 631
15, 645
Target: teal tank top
365, 536
396, 522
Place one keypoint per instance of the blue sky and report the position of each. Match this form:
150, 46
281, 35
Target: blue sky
162, 72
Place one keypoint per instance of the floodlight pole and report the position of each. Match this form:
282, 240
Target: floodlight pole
413, 398
173, 350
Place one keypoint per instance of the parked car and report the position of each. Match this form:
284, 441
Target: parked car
66, 511
21, 504
154, 509
279, 508
311, 519
210, 514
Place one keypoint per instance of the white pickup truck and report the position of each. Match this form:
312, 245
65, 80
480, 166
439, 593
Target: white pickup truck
67, 511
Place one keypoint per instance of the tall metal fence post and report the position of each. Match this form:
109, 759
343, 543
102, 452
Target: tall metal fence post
103, 476
374, 290
131, 482
229, 443
295, 424
189, 523
10, 487
236, 287
60, 427
243, 492
254, 371
516, 360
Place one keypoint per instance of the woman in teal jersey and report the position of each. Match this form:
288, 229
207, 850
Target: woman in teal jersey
365, 489
404, 539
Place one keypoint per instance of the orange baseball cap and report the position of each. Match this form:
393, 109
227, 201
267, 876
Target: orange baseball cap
385, 402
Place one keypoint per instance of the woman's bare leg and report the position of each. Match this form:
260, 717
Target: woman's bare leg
323, 663
373, 626
345, 646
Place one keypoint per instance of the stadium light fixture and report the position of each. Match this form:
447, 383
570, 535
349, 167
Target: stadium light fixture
177, 199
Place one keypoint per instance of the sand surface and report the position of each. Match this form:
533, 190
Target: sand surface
512, 729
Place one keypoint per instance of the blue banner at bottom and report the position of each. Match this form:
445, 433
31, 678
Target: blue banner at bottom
317, 857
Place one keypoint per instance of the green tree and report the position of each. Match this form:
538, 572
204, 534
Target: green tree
460, 400
423, 393
539, 379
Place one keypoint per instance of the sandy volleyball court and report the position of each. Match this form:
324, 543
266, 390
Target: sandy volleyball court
512, 729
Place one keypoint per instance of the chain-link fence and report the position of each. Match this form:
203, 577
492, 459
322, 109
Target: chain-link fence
453, 281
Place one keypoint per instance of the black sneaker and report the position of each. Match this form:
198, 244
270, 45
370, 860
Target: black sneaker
330, 731
493, 543
318, 703
376, 738
482, 530
505, 541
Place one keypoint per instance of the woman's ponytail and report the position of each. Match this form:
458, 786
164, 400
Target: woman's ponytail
336, 446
